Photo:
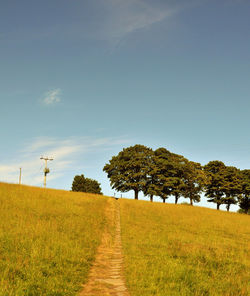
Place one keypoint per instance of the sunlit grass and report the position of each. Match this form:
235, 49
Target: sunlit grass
182, 250
48, 239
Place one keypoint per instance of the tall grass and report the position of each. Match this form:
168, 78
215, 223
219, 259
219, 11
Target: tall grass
182, 250
48, 239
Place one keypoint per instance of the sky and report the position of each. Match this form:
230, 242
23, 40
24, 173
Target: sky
80, 80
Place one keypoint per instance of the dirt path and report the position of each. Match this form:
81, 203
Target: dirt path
106, 276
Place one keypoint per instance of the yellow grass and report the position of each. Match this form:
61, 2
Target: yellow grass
48, 239
182, 250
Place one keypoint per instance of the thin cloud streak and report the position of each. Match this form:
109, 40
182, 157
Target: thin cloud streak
66, 154
126, 17
112, 21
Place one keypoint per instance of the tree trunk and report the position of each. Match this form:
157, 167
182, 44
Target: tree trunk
191, 201
151, 197
136, 193
164, 199
228, 207
176, 200
218, 206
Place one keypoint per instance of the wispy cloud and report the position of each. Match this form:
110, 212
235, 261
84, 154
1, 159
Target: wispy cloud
122, 18
66, 154
128, 16
106, 20
52, 96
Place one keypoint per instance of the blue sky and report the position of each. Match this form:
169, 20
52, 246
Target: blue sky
80, 80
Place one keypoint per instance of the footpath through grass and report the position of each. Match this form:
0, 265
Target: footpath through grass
48, 239
183, 250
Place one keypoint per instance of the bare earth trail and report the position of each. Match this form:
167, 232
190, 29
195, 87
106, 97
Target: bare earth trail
106, 275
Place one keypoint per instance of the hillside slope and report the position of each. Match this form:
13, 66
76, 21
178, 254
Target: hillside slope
48, 239
183, 250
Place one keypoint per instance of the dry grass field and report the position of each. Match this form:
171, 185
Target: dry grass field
48, 239
179, 250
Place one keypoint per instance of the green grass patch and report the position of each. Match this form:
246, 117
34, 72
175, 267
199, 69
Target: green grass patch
178, 250
48, 239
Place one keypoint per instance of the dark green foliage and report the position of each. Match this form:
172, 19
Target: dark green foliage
214, 189
92, 186
163, 173
165, 176
242, 211
128, 170
232, 186
78, 183
225, 185
181, 164
156, 181
195, 180
82, 184
244, 202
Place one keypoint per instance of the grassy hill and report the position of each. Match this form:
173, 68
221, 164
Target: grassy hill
48, 239
182, 250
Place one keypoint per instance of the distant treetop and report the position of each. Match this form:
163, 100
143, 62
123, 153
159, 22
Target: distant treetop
82, 184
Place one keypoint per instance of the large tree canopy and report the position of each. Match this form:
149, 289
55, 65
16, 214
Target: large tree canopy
195, 180
158, 182
180, 165
165, 176
215, 171
232, 186
128, 170
82, 184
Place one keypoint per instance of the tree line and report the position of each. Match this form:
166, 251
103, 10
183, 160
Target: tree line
164, 174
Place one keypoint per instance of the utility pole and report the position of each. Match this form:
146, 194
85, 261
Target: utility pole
20, 176
46, 169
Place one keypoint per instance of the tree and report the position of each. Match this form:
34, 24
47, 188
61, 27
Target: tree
92, 186
232, 186
244, 202
128, 170
156, 176
160, 184
195, 179
214, 188
78, 183
150, 189
82, 184
181, 164
165, 176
